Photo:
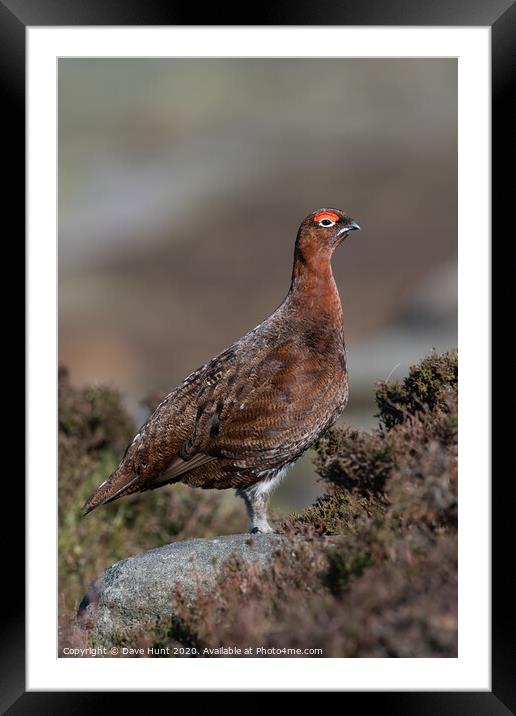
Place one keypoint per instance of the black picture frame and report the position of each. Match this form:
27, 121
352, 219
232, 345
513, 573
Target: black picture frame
15, 16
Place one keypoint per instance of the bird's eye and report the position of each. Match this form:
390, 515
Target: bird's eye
326, 222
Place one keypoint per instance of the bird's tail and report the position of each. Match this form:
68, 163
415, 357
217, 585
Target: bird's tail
122, 482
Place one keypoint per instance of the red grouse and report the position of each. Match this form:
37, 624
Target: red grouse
243, 418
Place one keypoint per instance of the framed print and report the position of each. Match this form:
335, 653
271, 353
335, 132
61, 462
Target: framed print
172, 170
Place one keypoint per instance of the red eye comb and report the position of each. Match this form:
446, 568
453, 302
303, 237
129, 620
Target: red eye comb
326, 215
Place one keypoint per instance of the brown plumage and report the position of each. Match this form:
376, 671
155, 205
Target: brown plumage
245, 416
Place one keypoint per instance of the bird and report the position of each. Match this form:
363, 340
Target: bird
248, 414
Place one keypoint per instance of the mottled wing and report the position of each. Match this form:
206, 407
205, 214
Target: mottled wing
156, 445
261, 411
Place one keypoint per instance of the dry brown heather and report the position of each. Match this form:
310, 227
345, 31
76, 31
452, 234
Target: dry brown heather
371, 570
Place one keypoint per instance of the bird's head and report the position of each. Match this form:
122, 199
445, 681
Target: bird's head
322, 231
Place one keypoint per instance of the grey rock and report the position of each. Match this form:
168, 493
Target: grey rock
141, 589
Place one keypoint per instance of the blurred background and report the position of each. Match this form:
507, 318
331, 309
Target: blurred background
182, 183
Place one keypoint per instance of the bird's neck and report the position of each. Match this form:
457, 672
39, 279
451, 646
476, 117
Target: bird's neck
313, 291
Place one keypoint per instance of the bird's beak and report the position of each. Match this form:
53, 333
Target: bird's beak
350, 226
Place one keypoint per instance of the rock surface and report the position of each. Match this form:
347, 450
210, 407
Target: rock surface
141, 588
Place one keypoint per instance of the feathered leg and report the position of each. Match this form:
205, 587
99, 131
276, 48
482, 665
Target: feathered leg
256, 502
